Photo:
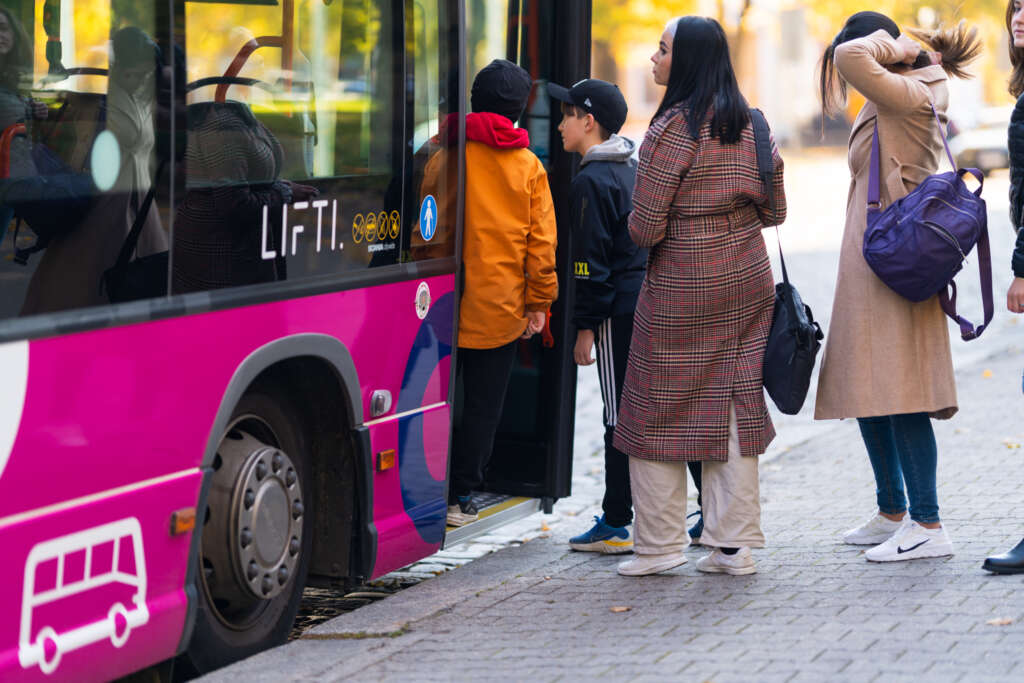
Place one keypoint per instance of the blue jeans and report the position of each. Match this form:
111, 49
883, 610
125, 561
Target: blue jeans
902, 449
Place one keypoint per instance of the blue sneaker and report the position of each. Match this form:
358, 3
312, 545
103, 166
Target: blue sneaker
697, 529
602, 538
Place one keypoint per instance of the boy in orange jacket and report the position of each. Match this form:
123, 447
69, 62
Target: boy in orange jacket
508, 258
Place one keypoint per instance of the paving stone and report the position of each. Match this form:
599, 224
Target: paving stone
816, 611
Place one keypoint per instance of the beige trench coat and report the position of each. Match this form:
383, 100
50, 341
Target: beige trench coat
884, 354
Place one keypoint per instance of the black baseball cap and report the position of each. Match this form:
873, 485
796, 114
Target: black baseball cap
597, 97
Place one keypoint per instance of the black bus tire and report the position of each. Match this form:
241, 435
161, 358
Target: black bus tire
220, 638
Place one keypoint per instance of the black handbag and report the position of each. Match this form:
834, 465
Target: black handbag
142, 278
795, 338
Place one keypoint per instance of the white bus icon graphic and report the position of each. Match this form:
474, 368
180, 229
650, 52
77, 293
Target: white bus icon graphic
80, 589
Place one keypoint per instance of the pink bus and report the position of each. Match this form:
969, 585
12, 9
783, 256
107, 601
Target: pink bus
227, 353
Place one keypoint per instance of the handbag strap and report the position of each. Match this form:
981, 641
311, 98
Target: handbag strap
132, 240
766, 169
947, 297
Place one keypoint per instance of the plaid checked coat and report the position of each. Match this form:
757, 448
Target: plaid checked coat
705, 307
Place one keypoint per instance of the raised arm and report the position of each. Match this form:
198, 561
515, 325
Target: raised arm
862, 63
664, 159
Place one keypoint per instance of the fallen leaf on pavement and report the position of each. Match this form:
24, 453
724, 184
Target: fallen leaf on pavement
1004, 621
987, 374
1009, 443
621, 608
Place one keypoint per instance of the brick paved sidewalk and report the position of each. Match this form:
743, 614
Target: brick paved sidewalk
816, 611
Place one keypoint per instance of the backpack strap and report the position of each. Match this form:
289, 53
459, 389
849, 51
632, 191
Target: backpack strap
947, 297
132, 240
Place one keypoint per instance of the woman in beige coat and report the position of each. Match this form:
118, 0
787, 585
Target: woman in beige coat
887, 360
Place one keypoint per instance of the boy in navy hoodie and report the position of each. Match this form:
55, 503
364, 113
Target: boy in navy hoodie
609, 270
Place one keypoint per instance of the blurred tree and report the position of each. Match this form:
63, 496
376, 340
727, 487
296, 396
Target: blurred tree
911, 12
620, 24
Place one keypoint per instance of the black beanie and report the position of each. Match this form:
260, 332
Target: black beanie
863, 24
502, 88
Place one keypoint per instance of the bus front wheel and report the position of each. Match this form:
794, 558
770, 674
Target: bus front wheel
256, 540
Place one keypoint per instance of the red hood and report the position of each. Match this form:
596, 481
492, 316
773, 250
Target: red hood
494, 130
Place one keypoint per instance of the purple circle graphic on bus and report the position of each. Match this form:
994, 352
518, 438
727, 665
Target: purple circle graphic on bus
428, 217
423, 492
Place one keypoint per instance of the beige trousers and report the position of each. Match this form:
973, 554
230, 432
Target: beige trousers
730, 495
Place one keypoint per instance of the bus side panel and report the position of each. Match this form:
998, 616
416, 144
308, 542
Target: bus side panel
410, 514
108, 411
152, 390
111, 591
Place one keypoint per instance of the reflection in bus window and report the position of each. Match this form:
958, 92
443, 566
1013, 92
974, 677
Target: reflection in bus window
292, 157
72, 266
73, 74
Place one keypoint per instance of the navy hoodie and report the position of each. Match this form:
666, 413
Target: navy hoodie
608, 266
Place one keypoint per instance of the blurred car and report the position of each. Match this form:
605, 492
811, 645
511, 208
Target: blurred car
984, 146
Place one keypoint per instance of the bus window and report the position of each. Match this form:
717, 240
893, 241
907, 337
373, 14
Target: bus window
80, 93
293, 167
432, 193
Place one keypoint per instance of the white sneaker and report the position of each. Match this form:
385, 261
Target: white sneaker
739, 563
912, 542
643, 565
877, 530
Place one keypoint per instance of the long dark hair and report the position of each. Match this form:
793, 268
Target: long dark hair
1016, 57
958, 45
702, 77
16, 65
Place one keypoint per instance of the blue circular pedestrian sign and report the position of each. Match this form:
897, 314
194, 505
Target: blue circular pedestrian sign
428, 217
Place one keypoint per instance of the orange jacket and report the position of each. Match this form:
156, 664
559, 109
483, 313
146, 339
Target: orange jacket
509, 239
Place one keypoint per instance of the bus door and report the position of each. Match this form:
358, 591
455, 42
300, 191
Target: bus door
531, 465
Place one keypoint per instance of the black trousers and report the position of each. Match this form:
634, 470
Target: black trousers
613, 337
694, 466
485, 374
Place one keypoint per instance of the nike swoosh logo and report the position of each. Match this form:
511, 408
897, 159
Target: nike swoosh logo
900, 551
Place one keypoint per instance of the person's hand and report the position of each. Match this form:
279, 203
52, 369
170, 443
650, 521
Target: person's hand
584, 346
301, 193
1015, 297
534, 323
907, 49
39, 109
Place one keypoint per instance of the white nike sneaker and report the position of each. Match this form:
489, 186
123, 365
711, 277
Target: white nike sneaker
739, 563
877, 530
912, 542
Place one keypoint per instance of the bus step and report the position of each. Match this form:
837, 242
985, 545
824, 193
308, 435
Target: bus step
496, 509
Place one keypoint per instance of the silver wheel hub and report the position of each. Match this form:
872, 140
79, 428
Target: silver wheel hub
258, 486
267, 521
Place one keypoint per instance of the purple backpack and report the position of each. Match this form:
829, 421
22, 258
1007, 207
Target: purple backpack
920, 242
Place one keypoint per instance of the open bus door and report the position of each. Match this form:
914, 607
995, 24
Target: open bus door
531, 465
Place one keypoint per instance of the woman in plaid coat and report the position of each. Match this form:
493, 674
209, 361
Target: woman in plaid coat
693, 388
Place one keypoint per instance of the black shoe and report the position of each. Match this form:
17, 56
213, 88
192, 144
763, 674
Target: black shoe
1007, 563
462, 511
697, 529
